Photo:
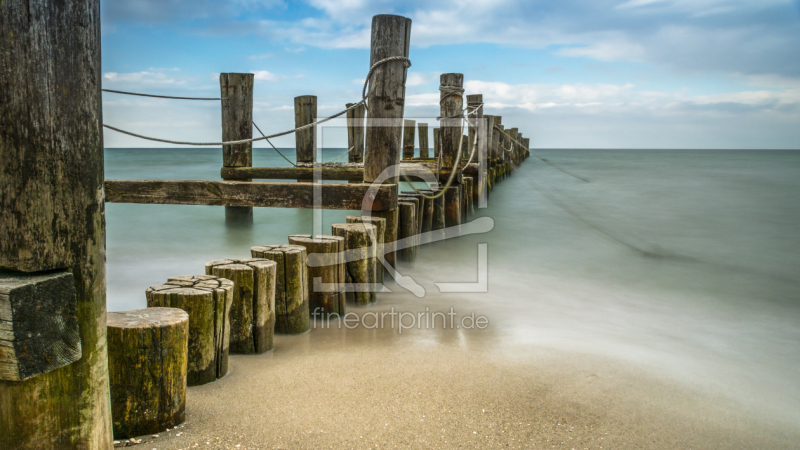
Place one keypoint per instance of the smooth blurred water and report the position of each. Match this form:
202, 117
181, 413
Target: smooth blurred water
685, 262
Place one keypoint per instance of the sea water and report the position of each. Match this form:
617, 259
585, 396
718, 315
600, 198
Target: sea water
684, 262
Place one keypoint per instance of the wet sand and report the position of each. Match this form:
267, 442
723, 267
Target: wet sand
453, 388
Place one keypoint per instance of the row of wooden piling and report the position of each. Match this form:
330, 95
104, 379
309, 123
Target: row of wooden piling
56, 337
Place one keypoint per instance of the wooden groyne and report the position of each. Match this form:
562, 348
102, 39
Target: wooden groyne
53, 195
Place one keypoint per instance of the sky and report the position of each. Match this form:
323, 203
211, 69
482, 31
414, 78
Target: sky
569, 74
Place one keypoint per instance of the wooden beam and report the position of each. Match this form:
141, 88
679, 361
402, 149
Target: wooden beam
254, 194
345, 173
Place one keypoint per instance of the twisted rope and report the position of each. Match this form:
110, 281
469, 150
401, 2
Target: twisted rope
160, 96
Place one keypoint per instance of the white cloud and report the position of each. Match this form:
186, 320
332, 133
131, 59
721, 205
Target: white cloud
418, 78
265, 75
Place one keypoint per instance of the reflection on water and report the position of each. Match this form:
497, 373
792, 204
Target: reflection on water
685, 262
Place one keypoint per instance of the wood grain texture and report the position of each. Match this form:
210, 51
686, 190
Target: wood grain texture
305, 112
360, 261
147, 366
424, 150
452, 104
238, 193
51, 198
38, 323
496, 152
355, 133
380, 226
391, 36
237, 123
474, 103
326, 274
409, 130
291, 286
452, 206
207, 300
252, 315
437, 142
406, 230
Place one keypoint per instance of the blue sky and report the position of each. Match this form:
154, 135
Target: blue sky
569, 73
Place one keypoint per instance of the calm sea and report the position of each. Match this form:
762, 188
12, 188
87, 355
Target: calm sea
686, 262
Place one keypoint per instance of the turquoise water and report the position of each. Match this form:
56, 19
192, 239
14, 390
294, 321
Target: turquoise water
684, 262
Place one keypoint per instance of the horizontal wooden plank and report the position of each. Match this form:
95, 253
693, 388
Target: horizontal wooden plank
243, 193
328, 171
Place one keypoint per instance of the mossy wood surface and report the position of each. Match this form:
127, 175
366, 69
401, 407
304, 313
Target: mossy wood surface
360, 257
207, 299
326, 274
291, 286
147, 367
252, 316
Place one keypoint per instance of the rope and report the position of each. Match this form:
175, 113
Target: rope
342, 155
273, 147
161, 96
244, 141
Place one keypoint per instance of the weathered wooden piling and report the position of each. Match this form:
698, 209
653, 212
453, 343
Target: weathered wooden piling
438, 219
380, 227
451, 87
423, 140
406, 230
207, 300
469, 191
486, 161
390, 38
421, 207
51, 198
436, 142
252, 315
417, 201
291, 286
326, 274
355, 133
360, 261
409, 128
237, 123
147, 369
305, 112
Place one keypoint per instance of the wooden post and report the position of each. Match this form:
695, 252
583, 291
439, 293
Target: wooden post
486, 161
380, 226
207, 300
496, 154
355, 133
409, 127
237, 123
436, 142
147, 367
452, 104
305, 112
514, 134
360, 257
391, 36
423, 140
406, 230
417, 202
291, 286
326, 276
51, 198
252, 314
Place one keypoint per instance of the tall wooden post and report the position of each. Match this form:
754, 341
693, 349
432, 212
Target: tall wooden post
423, 140
514, 133
237, 123
409, 127
436, 142
477, 129
488, 123
452, 104
305, 112
497, 153
52, 203
355, 133
391, 36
